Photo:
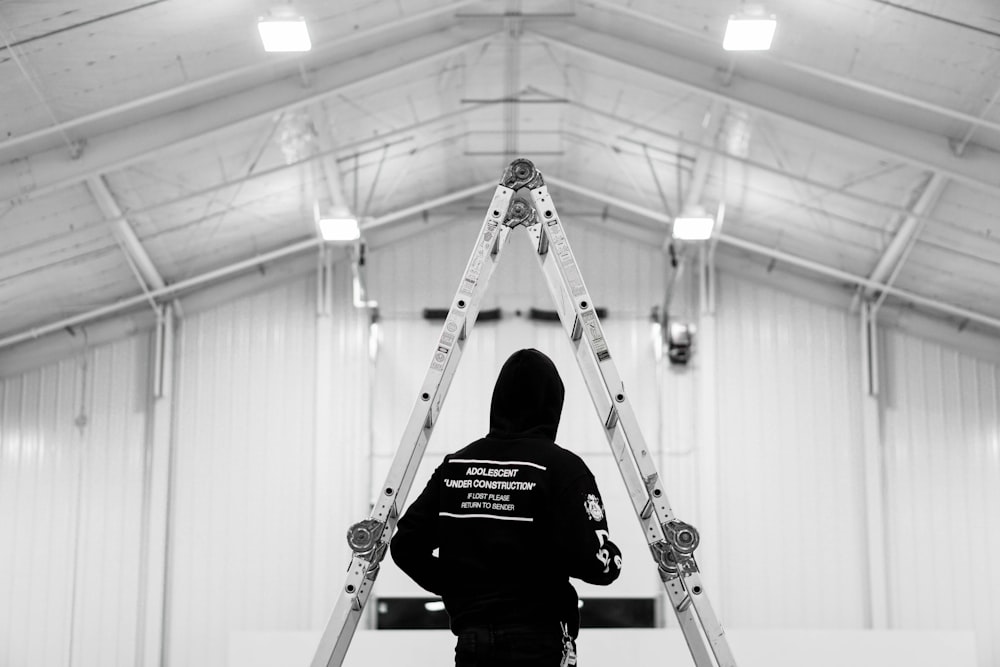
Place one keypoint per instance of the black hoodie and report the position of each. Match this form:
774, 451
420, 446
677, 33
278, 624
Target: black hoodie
512, 515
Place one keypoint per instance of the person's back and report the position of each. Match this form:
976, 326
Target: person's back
512, 516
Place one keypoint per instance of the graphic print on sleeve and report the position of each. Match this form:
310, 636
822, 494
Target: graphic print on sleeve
486, 489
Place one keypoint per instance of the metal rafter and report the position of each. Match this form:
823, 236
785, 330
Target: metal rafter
811, 71
135, 253
310, 244
179, 97
892, 259
921, 149
788, 258
703, 156
718, 152
115, 149
328, 160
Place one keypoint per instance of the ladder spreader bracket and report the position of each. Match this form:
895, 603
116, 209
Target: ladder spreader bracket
671, 542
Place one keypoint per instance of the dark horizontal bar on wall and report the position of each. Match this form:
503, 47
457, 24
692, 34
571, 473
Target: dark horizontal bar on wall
442, 314
543, 315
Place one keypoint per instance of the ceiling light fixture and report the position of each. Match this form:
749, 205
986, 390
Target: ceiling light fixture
284, 31
693, 225
339, 225
750, 30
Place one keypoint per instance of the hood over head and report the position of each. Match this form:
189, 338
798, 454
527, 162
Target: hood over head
527, 398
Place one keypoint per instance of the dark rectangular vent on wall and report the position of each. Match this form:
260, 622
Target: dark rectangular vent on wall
441, 314
553, 316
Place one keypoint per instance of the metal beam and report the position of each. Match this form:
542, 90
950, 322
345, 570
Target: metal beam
813, 72
892, 259
196, 92
921, 149
130, 244
216, 275
703, 158
388, 138
118, 148
328, 161
720, 153
416, 209
788, 258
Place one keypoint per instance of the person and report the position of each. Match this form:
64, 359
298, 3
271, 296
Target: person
504, 523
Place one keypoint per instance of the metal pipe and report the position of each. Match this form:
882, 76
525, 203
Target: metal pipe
909, 228
123, 230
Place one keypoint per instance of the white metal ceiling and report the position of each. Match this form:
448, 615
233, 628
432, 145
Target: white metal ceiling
149, 143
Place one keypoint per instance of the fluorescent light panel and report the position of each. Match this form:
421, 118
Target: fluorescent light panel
749, 33
693, 228
284, 34
339, 229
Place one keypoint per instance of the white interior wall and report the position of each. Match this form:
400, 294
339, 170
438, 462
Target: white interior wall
942, 454
242, 483
71, 498
245, 553
790, 475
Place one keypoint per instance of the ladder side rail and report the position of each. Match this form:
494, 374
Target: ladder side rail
638, 493
458, 324
685, 590
648, 497
710, 623
589, 327
464, 310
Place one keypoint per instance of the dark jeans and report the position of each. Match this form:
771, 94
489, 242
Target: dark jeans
502, 646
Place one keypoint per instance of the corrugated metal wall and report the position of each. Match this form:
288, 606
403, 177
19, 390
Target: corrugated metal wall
942, 453
791, 479
71, 498
241, 522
